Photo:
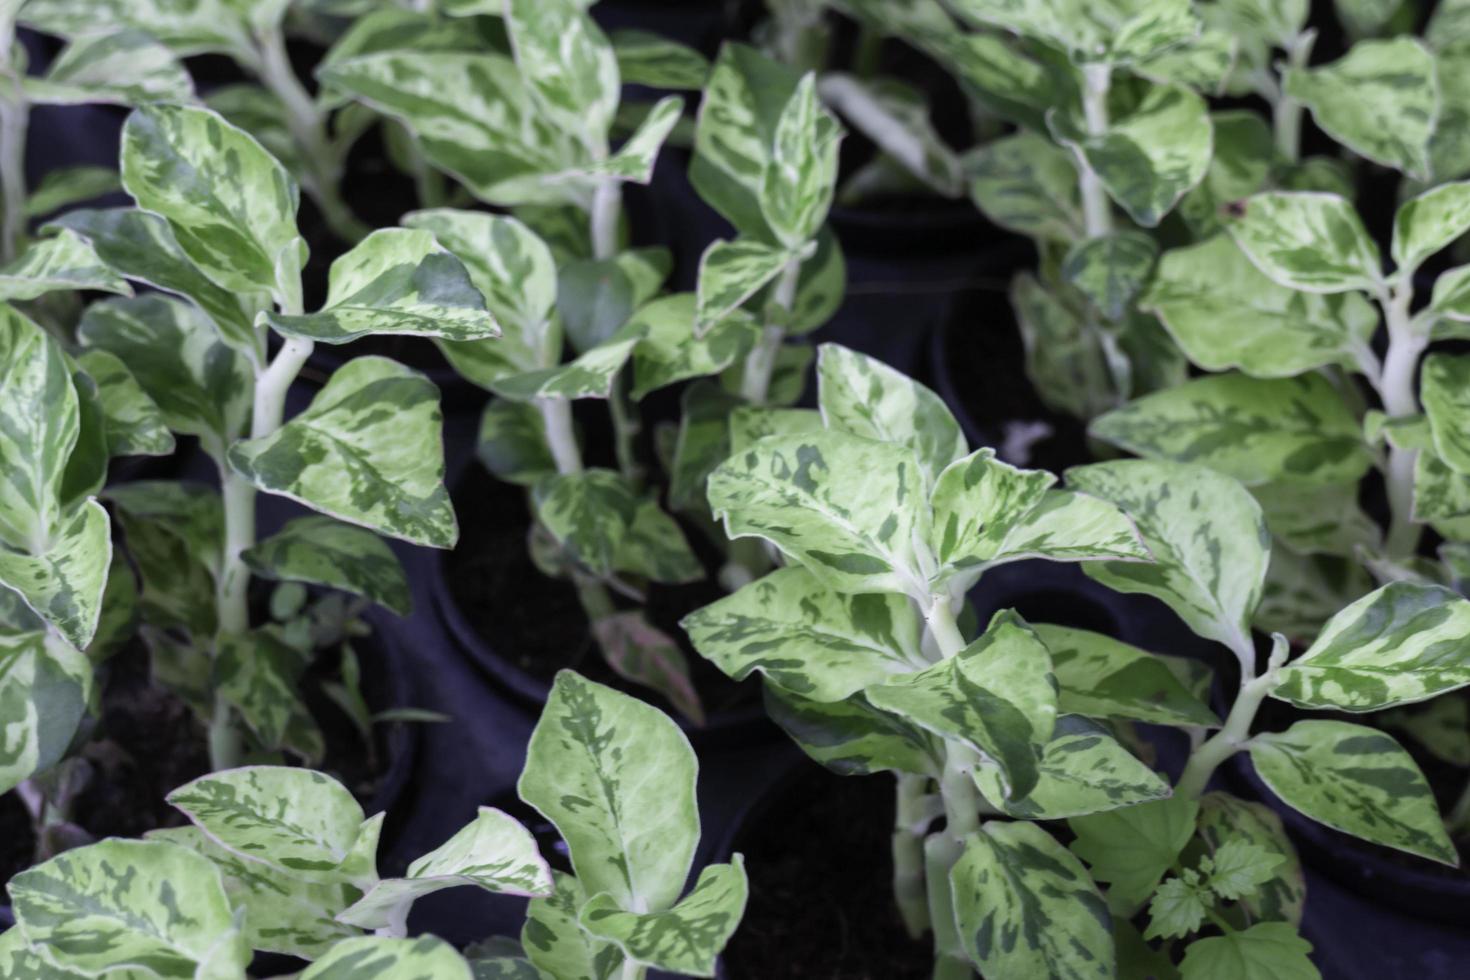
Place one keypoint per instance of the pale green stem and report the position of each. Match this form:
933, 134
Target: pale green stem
397, 927
1096, 210
942, 626
941, 853
910, 825
1396, 389
307, 124
604, 215
1286, 112
1232, 737
760, 363
556, 416
632, 970
14, 122
428, 181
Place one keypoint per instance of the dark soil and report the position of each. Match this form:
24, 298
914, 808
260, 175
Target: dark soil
535, 623
821, 889
17, 841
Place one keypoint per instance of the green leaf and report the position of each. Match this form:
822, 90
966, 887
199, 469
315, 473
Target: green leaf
512, 443
1178, 908
1114, 31
640, 652
1240, 164
65, 262
256, 673
1309, 241
378, 958
670, 350
1111, 270
185, 510
998, 696
493, 852
557, 944
748, 424
1225, 313
616, 777
127, 67
1441, 726
730, 273
135, 427
1450, 143
322, 551
1265, 951
1440, 493
1149, 157
395, 281
1425, 224
142, 247
21, 962
1065, 359
1224, 819
821, 286
685, 939
1403, 643
283, 914
1381, 100
294, 820
1027, 908
1286, 430
589, 376
589, 513
1209, 560
1442, 388
852, 737
192, 28
231, 205
635, 159
978, 502
63, 581
45, 685
152, 906
807, 639
1027, 184
341, 456
1356, 780
474, 118
655, 548
1131, 849
1238, 868
701, 443
801, 172
65, 186
568, 65
790, 490
174, 535
649, 59
1083, 769
1101, 677
118, 623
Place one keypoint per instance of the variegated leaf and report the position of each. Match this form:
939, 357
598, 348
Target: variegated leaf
283, 913
1402, 643
589, 376
178, 584
1209, 558
231, 205
64, 574
256, 673
1223, 818
807, 639
1101, 677
1065, 358
512, 443
493, 852
1070, 526
650, 59
669, 350
1240, 164
395, 281
568, 66
654, 547
1111, 270
142, 246
701, 443
1149, 158
1449, 146
118, 623
45, 685
322, 551
1440, 493
557, 944
1130, 849
821, 286
977, 502
473, 116
1027, 184
194, 27
1443, 389
616, 777
1307, 240
378, 958
135, 426
635, 159
730, 273
1027, 908
1381, 100
640, 652
1225, 313
853, 738
147, 905
1425, 224
685, 939
896, 117
998, 696
865, 397
1357, 780
65, 262
367, 451
66, 186
789, 490
589, 513
1286, 430
294, 820
1114, 31
748, 424
801, 172
126, 67
788, 375
1441, 727
20, 961
188, 511
1083, 769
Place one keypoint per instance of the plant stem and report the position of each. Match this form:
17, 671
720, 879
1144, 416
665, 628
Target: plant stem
632, 970
603, 216
1286, 112
561, 437
1231, 738
308, 128
910, 825
1096, 209
626, 426
760, 363
941, 853
1396, 389
942, 626
14, 122
1459, 819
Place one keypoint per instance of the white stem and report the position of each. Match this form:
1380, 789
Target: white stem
855, 101
556, 415
1396, 389
1231, 738
272, 385
760, 363
1096, 209
607, 207
1286, 112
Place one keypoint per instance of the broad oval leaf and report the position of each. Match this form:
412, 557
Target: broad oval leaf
135, 426
1357, 780
1240, 164
1286, 430
977, 502
1222, 818
67, 186
512, 442
1225, 313
1101, 677
807, 639
557, 944
1111, 270
65, 262
1444, 388
731, 273
1027, 908
1266, 949
379, 958
801, 172
322, 551
590, 375
640, 652
590, 513
121, 67
19, 961
1027, 184
1307, 240
852, 737
1425, 224
790, 490
1403, 643
368, 451
45, 685
1113, 32
231, 205
1207, 536
568, 66
395, 281
64, 579
669, 349
616, 777
149, 905
645, 58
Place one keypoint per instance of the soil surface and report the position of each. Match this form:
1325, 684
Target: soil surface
821, 889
